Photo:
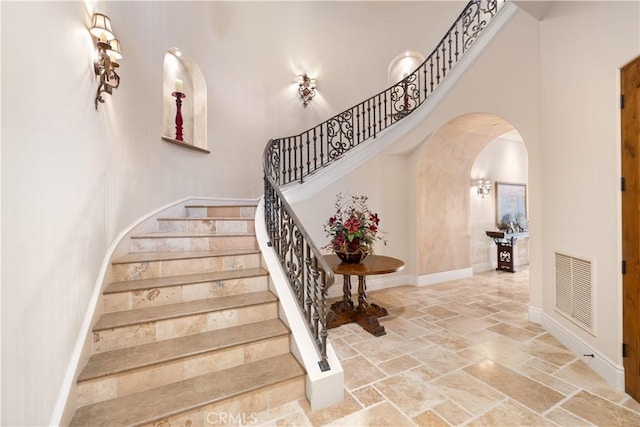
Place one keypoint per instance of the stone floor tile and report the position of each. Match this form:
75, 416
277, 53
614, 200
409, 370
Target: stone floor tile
518, 387
599, 411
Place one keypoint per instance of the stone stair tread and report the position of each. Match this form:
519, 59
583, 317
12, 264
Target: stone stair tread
148, 406
179, 234
205, 218
151, 314
244, 204
126, 359
185, 279
169, 256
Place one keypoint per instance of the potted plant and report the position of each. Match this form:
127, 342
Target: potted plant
353, 229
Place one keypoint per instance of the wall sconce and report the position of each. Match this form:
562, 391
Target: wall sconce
306, 88
108, 53
484, 186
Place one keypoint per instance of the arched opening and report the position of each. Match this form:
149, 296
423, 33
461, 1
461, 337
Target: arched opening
443, 199
403, 65
503, 160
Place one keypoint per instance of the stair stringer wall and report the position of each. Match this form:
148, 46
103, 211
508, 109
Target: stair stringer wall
66, 402
323, 389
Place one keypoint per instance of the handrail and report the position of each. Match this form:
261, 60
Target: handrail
293, 158
308, 272
290, 159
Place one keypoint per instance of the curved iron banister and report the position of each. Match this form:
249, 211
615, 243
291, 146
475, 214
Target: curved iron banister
307, 271
295, 157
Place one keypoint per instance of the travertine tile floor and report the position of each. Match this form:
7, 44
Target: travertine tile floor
461, 353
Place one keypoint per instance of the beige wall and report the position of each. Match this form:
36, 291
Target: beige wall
581, 151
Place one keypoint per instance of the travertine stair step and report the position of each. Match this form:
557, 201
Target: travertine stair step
197, 394
207, 224
134, 327
134, 294
126, 371
203, 211
152, 314
136, 266
185, 279
117, 361
191, 241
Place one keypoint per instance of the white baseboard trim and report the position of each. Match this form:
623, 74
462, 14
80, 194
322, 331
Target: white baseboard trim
482, 267
605, 367
535, 315
445, 276
374, 283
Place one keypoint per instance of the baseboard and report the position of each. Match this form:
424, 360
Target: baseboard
374, 283
605, 367
445, 276
535, 315
482, 267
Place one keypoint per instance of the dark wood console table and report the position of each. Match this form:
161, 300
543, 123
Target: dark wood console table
505, 242
365, 314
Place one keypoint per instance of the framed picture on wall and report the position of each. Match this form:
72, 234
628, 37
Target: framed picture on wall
511, 200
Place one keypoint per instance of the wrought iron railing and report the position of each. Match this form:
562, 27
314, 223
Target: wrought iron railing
308, 273
293, 158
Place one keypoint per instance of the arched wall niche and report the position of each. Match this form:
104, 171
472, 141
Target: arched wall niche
403, 65
178, 66
443, 171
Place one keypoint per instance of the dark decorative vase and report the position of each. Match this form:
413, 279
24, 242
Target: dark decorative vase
352, 257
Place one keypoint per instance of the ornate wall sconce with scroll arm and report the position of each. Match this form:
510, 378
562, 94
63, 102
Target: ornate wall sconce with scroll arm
108, 53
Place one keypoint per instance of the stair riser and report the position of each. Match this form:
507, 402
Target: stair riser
188, 292
248, 212
189, 244
239, 410
207, 225
152, 269
127, 336
123, 384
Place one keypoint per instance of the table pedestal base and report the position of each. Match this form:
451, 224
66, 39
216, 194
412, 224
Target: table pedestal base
364, 314
366, 317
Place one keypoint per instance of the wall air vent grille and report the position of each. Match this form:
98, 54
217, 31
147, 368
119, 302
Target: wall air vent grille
574, 290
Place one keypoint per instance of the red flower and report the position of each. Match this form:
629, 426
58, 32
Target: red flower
352, 224
353, 227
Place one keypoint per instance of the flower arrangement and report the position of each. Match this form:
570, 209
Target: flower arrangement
353, 228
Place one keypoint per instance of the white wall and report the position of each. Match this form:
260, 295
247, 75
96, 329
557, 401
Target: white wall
581, 151
502, 160
58, 200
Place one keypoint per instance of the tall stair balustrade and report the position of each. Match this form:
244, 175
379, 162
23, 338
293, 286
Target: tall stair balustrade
293, 158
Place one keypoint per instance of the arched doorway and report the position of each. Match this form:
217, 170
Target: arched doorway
443, 219
503, 160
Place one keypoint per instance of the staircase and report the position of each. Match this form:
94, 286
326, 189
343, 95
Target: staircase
190, 331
